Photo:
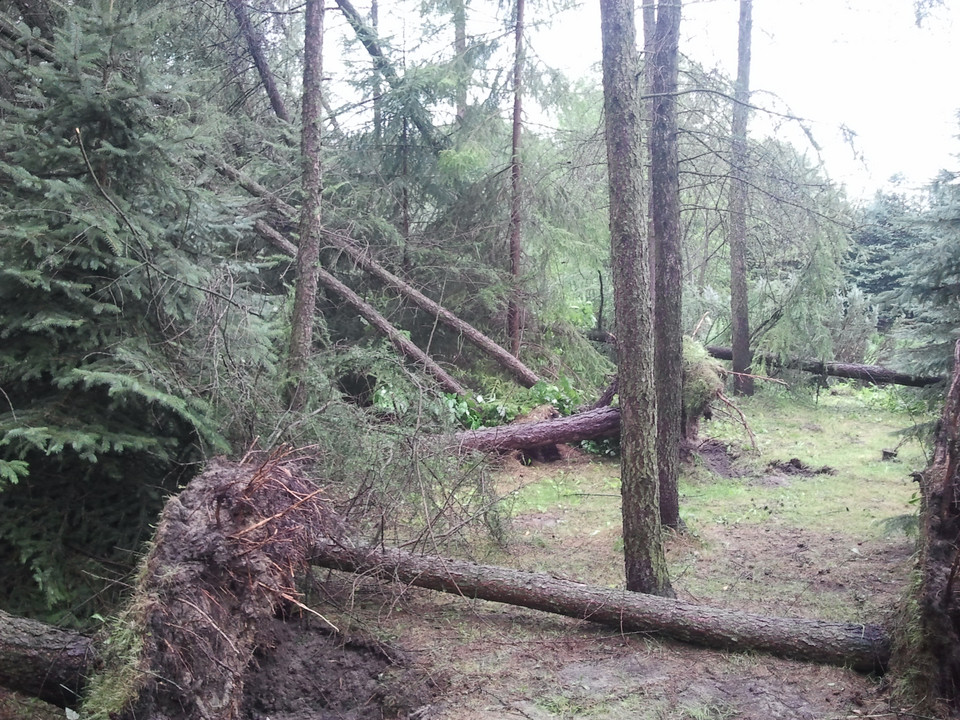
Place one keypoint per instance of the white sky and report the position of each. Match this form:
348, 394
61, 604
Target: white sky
862, 64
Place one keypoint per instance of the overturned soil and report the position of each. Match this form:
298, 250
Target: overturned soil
303, 671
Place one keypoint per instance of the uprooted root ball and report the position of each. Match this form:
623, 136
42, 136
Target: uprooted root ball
226, 553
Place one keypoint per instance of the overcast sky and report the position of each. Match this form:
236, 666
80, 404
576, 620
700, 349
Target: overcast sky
860, 64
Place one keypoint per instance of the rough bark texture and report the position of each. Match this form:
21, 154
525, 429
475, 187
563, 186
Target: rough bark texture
308, 250
590, 425
524, 375
864, 647
939, 594
43, 661
737, 228
254, 43
514, 310
665, 219
868, 373
369, 313
225, 556
646, 568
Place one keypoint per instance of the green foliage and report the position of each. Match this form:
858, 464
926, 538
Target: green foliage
104, 282
930, 286
474, 412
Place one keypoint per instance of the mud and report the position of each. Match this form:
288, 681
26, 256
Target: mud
303, 671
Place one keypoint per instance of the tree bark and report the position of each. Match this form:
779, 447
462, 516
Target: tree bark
668, 283
308, 250
514, 311
646, 567
400, 341
255, 47
938, 597
44, 661
524, 375
868, 373
863, 647
737, 238
589, 425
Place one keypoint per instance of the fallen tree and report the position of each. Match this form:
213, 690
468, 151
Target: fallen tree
225, 555
868, 373
369, 313
589, 425
863, 647
44, 661
524, 375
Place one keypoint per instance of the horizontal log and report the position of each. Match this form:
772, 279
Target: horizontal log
853, 371
44, 661
598, 423
863, 647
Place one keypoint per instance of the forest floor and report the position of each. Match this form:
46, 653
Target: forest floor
809, 525
825, 540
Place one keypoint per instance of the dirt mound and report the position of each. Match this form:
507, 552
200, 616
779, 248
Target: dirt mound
305, 672
795, 466
716, 456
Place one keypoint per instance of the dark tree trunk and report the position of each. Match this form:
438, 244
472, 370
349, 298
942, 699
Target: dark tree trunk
863, 647
514, 309
308, 250
938, 596
590, 425
44, 661
868, 373
459, 11
737, 227
369, 313
255, 47
646, 568
665, 220
524, 375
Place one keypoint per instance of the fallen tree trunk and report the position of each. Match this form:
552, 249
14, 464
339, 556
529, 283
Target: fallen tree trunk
868, 373
524, 375
589, 425
400, 341
44, 661
863, 647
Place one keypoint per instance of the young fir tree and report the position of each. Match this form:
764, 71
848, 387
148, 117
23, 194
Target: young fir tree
102, 263
931, 283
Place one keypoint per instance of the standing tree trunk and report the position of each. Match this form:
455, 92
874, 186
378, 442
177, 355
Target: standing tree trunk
459, 10
739, 307
514, 311
938, 597
646, 567
665, 215
308, 251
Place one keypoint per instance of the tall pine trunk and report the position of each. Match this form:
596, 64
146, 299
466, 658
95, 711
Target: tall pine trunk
737, 238
663, 69
308, 250
646, 567
514, 308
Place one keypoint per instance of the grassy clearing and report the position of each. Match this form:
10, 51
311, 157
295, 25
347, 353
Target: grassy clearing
764, 542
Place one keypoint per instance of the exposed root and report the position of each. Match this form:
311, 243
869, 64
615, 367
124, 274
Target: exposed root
226, 554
